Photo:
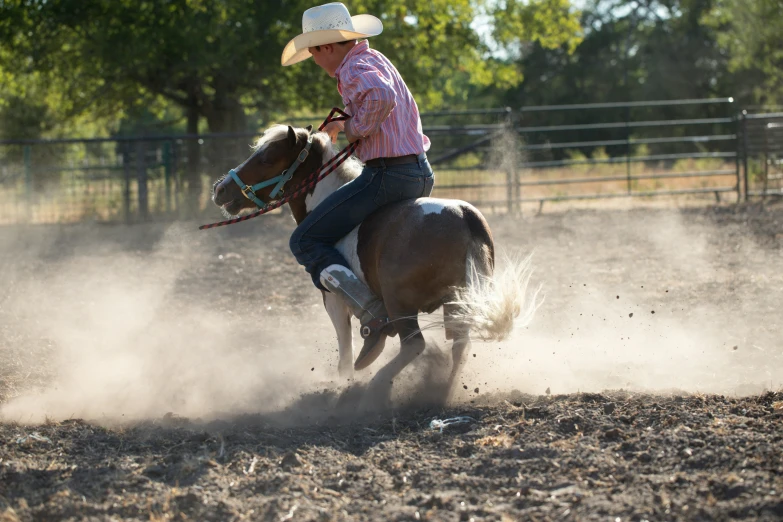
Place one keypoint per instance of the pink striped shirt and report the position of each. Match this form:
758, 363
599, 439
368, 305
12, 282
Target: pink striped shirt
383, 111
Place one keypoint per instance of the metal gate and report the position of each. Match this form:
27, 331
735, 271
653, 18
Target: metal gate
596, 151
498, 159
762, 158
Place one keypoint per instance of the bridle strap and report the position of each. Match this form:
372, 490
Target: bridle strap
287, 174
279, 181
308, 184
247, 190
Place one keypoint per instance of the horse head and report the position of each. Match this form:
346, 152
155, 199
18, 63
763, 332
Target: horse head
282, 158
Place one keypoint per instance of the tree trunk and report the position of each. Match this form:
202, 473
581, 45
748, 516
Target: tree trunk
225, 114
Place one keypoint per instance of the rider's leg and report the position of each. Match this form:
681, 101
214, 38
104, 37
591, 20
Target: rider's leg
363, 303
312, 243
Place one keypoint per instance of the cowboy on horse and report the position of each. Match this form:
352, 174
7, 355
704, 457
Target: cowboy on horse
384, 119
373, 241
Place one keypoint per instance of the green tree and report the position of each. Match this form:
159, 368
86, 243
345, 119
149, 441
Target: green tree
219, 60
750, 32
213, 59
631, 51
440, 48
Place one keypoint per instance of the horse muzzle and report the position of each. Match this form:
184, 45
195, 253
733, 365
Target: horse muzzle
221, 196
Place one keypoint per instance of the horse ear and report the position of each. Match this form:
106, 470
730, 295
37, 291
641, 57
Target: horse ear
291, 136
309, 129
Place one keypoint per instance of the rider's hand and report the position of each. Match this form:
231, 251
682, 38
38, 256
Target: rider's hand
333, 128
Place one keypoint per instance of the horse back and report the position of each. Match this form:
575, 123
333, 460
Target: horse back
415, 252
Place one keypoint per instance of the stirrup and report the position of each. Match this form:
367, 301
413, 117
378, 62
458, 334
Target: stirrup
375, 325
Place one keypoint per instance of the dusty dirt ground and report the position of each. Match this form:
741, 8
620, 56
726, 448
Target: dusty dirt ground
158, 372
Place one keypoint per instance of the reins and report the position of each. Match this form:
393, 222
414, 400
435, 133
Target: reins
307, 184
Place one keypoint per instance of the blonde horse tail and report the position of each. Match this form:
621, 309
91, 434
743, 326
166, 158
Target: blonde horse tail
493, 304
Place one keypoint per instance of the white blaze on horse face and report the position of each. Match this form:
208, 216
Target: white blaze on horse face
348, 247
438, 206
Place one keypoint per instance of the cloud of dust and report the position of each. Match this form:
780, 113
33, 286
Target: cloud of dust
656, 309
128, 344
128, 347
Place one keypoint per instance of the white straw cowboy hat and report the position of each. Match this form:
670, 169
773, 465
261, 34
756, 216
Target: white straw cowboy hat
326, 24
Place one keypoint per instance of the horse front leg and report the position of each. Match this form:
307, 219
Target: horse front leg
341, 319
378, 395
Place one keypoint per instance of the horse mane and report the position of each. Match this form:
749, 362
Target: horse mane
350, 169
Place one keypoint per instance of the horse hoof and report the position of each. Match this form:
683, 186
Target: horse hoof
345, 373
369, 353
376, 397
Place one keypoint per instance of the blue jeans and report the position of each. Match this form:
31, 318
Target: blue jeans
312, 243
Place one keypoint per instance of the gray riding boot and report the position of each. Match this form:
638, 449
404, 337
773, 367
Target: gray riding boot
363, 304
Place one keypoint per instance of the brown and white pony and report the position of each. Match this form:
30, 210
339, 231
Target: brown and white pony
417, 255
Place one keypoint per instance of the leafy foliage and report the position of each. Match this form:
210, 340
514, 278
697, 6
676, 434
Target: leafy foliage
219, 59
136, 66
749, 33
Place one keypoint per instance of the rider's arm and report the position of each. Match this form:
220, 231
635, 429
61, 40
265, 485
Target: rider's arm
372, 99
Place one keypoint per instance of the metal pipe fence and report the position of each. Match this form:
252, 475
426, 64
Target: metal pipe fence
603, 150
494, 158
762, 140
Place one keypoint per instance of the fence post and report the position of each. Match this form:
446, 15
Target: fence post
738, 155
176, 186
126, 164
512, 180
141, 179
28, 171
513, 189
628, 148
745, 152
167, 173
510, 189
517, 156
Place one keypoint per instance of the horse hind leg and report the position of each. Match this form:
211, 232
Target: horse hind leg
460, 349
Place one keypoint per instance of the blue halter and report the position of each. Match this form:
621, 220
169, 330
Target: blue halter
250, 191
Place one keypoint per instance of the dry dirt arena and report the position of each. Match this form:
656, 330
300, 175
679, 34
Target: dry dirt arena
156, 372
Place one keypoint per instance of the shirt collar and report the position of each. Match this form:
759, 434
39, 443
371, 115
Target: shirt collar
358, 48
